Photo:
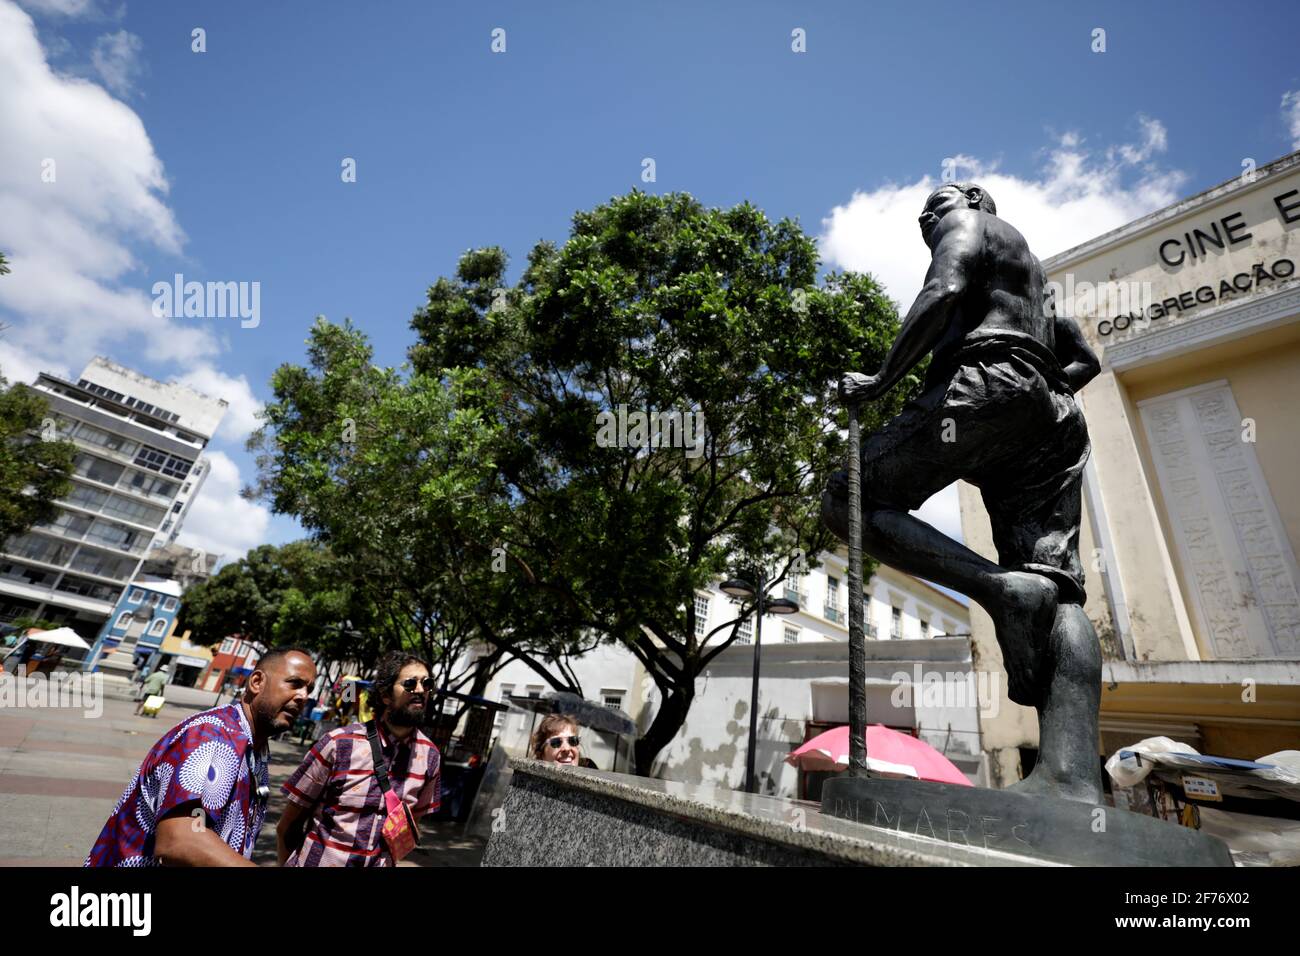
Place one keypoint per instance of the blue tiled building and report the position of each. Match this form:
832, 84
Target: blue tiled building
153, 604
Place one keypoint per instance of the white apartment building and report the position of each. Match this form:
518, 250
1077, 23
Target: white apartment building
138, 469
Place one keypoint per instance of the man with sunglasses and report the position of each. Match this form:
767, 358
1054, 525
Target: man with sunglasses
335, 805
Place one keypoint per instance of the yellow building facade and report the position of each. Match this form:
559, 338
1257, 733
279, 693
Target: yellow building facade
1192, 495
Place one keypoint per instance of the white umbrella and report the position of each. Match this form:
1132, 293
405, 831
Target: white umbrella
60, 635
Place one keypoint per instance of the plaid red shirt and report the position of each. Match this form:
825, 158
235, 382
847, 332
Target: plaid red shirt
337, 781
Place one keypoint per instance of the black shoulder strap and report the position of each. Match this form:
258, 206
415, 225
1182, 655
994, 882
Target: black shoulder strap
381, 766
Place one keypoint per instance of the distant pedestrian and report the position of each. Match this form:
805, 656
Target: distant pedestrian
140, 676
152, 686
24, 655
359, 778
199, 798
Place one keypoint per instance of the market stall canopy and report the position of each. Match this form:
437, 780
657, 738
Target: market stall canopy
65, 636
888, 752
1271, 776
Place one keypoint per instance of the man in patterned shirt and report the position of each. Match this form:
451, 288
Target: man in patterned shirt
199, 797
335, 806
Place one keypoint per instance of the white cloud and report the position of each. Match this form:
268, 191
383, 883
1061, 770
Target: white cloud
116, 58
70, 240
1291, 114
1080, 193
943, 511
241, 417
77, 288
219, 521
72, 9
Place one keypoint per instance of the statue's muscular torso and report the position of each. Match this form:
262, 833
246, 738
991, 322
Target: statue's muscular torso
1004, 283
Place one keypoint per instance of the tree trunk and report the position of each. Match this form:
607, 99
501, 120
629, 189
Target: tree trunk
668, 721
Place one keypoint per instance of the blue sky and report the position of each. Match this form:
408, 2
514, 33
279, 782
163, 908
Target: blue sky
225, 165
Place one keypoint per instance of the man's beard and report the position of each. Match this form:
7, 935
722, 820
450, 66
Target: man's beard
405, 717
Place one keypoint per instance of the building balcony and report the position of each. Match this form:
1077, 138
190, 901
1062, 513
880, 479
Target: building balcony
63, 534
103, 512
835, 613
65, 397
799, 597
27, 558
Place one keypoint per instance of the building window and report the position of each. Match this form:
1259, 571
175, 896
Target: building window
612, 698
701, 615
833, 611
227, 645
507, 691
157, 627
136, 511
169, 605
745, 632
136, 596
896, 623
156, 460
97, 469
533, 690
791, 634
86, 588
105, 565
925, 630
123, 620
147, 484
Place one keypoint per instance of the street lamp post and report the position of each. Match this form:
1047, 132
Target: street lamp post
742, 590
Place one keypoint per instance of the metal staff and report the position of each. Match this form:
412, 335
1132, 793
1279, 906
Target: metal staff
857, 636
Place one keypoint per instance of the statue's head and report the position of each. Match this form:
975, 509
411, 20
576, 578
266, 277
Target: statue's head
952, 196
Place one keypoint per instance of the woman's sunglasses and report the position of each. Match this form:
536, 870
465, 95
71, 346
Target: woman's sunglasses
410, 682
556, 742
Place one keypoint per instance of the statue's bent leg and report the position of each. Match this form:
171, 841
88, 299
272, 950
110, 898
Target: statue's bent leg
1021, 604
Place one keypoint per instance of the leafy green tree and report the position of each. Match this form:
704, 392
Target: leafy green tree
396, 474
656, 304
34, 465
298, 593
490, 508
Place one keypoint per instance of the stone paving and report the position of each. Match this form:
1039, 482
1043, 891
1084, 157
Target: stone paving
61, 773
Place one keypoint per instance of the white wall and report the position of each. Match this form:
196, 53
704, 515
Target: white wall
607, 668
709, 749
805, 683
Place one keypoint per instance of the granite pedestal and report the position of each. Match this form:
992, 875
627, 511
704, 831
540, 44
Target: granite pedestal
566, 816
1064, 831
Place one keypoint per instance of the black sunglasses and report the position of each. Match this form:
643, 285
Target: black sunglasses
410, 682
555, 742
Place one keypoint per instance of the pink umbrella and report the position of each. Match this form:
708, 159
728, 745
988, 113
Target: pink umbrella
888, 752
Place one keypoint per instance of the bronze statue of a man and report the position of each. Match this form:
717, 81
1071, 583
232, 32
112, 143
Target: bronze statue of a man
998, 411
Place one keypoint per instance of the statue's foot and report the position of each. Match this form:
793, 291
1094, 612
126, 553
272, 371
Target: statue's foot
1042, 782
1023, 618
